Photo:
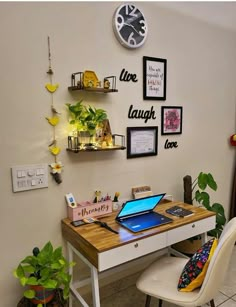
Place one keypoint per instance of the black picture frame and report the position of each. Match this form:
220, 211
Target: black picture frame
142, 141
154, 78
173, 124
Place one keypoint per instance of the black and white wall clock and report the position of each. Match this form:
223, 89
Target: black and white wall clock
130, 26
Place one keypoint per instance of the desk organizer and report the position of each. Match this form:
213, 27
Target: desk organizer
89, 209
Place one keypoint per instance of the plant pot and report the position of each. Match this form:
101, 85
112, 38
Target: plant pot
42, 295
84, 137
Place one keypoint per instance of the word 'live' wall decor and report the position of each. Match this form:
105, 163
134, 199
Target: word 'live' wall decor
56, 166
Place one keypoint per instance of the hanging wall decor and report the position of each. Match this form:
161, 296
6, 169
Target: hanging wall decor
154, 78
141, 141
126, 76
171, 120
53, 120
143, 114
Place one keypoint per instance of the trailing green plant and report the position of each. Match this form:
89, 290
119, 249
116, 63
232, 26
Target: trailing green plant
199, 186
85, 118
47, 268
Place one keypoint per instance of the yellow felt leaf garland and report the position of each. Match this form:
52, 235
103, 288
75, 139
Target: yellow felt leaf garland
51, 87
53, 120
55, 150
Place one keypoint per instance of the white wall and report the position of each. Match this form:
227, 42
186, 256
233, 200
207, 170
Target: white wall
201, 78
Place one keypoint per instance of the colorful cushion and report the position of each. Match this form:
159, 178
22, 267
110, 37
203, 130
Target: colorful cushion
195, 269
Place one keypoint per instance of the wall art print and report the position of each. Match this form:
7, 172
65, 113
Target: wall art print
171, 120
154, 78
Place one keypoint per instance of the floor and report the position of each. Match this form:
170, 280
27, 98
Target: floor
125, 294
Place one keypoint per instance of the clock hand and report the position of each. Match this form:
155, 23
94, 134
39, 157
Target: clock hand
129, 25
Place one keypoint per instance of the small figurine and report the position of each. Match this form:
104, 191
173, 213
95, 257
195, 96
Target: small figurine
116, 196
106, 84
97, 196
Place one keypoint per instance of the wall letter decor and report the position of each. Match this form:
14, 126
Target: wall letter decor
154, 78
126, 76
135, 113
170, 144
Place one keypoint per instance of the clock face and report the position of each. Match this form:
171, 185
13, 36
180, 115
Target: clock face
130, 26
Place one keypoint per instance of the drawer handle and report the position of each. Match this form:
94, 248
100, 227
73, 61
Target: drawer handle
193, 226
136, 245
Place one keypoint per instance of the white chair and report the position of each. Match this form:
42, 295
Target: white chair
161, 278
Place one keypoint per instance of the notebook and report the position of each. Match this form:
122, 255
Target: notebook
138, 214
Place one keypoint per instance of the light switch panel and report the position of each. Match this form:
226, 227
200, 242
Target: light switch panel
29, 177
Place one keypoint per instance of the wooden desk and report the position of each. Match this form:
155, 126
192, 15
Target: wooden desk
101, 249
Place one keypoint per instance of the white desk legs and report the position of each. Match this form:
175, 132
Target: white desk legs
93, 280
204, 238
95, 287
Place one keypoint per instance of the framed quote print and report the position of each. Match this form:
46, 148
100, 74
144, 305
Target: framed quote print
141, 141
154, 78
171, 120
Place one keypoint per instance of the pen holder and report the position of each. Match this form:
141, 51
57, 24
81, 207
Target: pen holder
89, 209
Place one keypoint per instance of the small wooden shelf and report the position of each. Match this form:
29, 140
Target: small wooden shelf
78, 85
92, 89
115, 147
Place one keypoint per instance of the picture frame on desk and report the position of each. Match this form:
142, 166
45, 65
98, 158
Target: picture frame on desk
142, 141
171, 120
154, 78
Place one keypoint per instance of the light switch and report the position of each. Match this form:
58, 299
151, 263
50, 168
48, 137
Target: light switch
29, 177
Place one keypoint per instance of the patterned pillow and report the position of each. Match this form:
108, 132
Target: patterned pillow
195, 269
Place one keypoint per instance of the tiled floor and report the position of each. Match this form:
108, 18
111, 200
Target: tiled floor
125, 294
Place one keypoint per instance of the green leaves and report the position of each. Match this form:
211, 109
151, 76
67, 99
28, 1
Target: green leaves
47, 268
85, 118
205, 180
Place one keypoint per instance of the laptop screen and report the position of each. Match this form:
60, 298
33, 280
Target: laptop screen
140, 205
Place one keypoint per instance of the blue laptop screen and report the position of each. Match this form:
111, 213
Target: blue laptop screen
140, 205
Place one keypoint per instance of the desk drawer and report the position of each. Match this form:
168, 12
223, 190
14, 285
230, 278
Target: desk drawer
130, 251
190, 230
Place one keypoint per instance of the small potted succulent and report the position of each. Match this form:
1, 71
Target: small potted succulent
44, 272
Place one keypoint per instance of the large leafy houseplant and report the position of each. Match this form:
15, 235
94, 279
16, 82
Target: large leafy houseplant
197, 192
85, 118
47, 268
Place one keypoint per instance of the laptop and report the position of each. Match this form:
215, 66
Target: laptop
138, 214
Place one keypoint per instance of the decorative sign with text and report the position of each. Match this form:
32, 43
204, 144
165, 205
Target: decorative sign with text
170, 144
126, 76
146, 115
154, 78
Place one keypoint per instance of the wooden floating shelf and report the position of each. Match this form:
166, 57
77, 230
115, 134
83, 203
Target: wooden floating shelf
115, 147
91, 89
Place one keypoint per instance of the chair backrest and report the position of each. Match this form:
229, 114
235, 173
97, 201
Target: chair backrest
219, 263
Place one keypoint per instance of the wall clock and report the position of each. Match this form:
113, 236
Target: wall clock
130, 26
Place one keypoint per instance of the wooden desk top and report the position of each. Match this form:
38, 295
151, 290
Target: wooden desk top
92, 239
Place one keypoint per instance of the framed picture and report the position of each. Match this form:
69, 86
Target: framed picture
141, 141
154, 78
171, 120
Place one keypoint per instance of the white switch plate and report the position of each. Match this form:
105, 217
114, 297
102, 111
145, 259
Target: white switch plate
29, 177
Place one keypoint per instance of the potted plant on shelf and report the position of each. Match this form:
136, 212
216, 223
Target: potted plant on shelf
44, 272
86, 119
195, 191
